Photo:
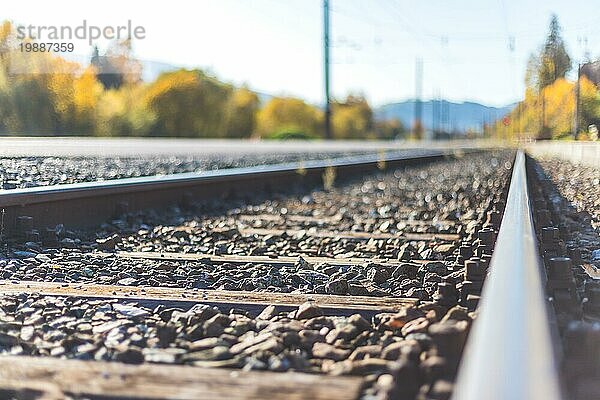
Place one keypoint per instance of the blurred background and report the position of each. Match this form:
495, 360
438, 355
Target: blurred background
306, 69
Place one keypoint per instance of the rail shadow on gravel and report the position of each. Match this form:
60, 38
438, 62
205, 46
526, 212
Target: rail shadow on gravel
567, 238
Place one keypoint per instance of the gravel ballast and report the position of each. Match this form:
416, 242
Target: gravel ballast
24, 172
390, 348
573, 198
432, 232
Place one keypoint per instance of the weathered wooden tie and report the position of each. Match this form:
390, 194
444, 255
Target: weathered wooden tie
242, 259
319, 233
56, 378
253, 302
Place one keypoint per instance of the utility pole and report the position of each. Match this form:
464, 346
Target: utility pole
445, 115
418, 124
543, 124
436, 112
328, 131
520, 116
582, 42
576, 113
432, 101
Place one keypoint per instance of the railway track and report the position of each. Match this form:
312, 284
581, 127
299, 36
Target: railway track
351, 278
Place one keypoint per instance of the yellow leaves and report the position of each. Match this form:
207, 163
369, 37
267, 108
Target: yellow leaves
241, 113
559, 98
587, 88
188, 103
6, 31
42, 93
61, 87
169, 82
244, 98
347, 123
87, 90
120, 113
112, 102
173, 97
286, 113
352, 118
552, 110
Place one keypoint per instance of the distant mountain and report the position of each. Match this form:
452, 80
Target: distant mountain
443, 114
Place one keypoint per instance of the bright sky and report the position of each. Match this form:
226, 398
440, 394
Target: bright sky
274, 46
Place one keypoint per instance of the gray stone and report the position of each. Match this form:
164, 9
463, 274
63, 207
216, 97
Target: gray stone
308, 310
337, 286
324, 350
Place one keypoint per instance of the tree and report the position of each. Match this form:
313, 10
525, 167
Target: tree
117, 66
589, 103
544, 69
41, 101
188, 103
7, 39
241, 113
106, 72
120, 112
353, 118
288, 114
390, 129
559, 98
43, 93
554, 61
31, 105
560, 108
87, 91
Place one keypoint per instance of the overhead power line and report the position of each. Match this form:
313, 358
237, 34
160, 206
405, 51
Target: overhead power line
328, 132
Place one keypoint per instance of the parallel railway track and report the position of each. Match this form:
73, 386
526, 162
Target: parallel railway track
390, 246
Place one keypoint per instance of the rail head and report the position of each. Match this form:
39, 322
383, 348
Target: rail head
87, 204
509, 354
20, 197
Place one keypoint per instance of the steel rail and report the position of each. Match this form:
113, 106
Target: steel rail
509, 354
86, 204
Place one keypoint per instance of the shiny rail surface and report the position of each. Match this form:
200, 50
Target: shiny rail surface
509, 354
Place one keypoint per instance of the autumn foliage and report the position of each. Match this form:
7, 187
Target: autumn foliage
43, 94
548, 110
550, 114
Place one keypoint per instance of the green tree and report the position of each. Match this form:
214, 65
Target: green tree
543, 69
32, 107
554, 61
